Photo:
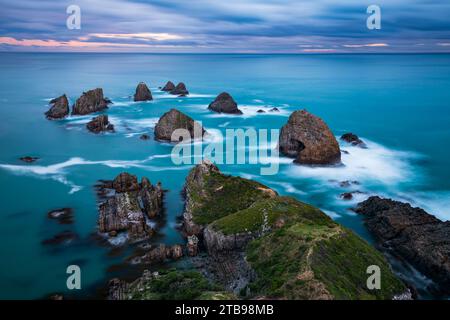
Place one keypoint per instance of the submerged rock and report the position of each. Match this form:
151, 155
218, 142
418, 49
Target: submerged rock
64, 237
224, 103
173, 120
129, 206
29, 159
59, 108
90, 102
308, 139
179, 90
411, 233
63, 215
144, 137
168, 87
142, 93
250, 232
353, 139
100, 124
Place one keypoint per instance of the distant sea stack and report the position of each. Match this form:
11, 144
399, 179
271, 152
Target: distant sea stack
411, 233
168, 87
224, 103
308, 139
143, 93
90, 102
59, 108
180, 90
100, 124
174, 119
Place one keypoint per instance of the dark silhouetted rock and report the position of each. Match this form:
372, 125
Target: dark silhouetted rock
180, 90
274, 110
353, 139
144, 137
168, 87
127, 204
29, 159
59, 108
174, 120
100, 124
411, 233
347, 196
90, 102
63, 215
142, 93
308, 139
64, 237
260, 111
224, 103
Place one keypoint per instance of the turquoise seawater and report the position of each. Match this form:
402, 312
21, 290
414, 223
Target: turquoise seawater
398, 104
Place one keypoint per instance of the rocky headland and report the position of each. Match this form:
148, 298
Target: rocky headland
411, 234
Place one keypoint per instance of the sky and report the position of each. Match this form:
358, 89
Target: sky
230, 26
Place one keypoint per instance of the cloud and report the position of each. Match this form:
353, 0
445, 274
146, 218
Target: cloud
147, 36
368, 45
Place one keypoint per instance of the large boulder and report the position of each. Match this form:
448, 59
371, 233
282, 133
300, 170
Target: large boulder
224, 103
180, 90
143, 93
127, 205
90, 102
59, 108
100, 124
173, 120
308, 139
168, 87
411, 233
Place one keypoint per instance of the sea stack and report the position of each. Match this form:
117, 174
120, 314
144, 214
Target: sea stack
90, 102
174, 119
353, 139
308, 139
168, 87
224, 103
143, 93
59, 108
100, 124
180, 90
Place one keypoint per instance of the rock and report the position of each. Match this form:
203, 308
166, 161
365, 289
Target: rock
308, 139
353, 139
59, 108
144, 137
347, 183
347, 196
411, 233
161, 253
192, 246
56, 297
260, 111
90, 102
65, 237
179, 90
274, 110
29, 159
224, 103
100, 124
126, 209
168, 87
174, 119
64, 215
142, 93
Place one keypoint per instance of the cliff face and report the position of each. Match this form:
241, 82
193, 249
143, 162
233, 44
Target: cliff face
262, 245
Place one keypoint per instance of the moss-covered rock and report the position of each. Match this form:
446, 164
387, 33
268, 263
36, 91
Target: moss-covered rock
294, 250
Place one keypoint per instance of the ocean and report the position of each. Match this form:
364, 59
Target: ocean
398, 104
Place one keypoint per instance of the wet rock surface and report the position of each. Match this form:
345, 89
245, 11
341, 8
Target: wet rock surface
308, 139
353, 139
59, 108
412, 234
128, 205
90, 102
100, 124
224, 103
142, 93
174, 120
